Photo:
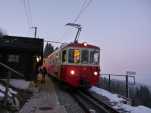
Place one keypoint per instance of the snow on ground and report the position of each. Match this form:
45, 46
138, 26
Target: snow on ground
21, 84
10, 92
132, 109
110, 96
1, 94
118, 101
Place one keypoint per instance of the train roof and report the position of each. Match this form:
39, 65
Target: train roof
77, 45
81, 45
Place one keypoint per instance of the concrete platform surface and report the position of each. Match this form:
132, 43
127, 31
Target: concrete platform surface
44, 100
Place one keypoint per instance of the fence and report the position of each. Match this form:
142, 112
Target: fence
108, 82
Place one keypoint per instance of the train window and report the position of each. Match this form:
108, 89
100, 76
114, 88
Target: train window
64, 56
85, 57
94, 57
74, 56
71, 54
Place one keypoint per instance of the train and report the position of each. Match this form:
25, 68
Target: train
76, 64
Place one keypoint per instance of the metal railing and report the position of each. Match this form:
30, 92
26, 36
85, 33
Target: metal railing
126, 81
11, 69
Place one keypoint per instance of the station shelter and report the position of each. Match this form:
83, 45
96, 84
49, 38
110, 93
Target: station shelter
21, 54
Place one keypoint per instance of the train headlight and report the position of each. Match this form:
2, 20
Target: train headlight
95, 73
85, 44
72, 72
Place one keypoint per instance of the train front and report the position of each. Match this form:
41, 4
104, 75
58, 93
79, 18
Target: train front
80, 65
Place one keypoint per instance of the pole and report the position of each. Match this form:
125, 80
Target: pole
35, 33
109, 82
127, 92
77, 35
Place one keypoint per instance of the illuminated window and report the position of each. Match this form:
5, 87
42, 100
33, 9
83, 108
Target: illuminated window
74, 56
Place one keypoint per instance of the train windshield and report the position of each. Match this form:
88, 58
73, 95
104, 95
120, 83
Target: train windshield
83, 56
74, 56
94, 57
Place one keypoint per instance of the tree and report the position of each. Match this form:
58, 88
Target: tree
1, 33
48, 49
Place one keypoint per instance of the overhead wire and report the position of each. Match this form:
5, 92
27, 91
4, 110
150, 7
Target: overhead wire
28, 14
55, 42
84, 6
80, 12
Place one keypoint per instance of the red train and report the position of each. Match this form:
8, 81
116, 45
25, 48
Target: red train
77, 64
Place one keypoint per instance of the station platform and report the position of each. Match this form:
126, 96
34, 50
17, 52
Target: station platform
44, 99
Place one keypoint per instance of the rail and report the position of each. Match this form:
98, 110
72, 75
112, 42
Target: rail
90, 104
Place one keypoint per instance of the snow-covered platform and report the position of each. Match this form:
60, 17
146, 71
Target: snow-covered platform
44, 100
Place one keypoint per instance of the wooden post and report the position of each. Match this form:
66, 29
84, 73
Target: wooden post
109, 82
127, 92
134, 80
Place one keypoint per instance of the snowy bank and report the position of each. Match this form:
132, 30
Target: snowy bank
132, 109
105, 93
119, 105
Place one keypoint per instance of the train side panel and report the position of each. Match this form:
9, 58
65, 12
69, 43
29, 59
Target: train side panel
53, 65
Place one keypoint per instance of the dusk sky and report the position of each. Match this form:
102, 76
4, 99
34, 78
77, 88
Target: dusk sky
121, 28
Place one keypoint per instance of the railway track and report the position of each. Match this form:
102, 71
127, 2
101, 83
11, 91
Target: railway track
88, 102
91, 104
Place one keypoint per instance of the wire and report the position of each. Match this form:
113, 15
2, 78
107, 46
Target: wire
54, 41
28, 12
84, 6
85, 1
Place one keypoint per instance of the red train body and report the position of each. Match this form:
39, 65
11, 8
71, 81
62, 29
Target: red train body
77, 64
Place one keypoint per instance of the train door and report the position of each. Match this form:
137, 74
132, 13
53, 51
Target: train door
59, 65
63, 60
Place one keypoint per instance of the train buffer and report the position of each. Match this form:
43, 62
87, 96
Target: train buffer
44, 100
